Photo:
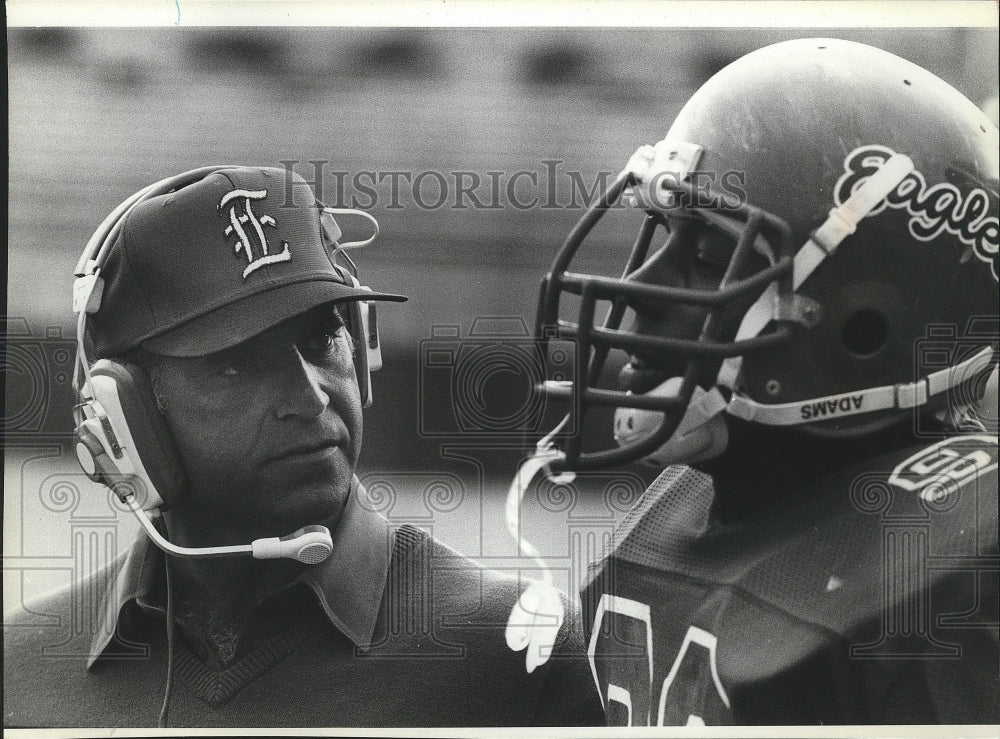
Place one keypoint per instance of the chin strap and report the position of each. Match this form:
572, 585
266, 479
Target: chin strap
824, 241
538, 615
888, 397
843, 220
702, 433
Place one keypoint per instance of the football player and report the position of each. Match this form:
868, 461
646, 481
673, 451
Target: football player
810, 316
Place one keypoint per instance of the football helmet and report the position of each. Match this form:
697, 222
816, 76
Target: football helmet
845, 202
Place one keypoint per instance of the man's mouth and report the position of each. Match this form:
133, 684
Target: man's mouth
314, 451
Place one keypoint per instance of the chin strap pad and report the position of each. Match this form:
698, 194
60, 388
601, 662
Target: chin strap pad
701, 434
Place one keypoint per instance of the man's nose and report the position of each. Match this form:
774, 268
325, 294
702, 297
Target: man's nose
302, 390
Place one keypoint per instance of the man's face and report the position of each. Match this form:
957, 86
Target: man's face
270, 430
692, 259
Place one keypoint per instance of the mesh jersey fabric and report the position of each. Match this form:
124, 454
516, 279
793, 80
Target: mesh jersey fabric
868, 597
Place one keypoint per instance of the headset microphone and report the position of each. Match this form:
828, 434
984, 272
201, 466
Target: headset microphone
309, 545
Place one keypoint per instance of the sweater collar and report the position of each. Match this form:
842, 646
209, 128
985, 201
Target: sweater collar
351, 581
349, 584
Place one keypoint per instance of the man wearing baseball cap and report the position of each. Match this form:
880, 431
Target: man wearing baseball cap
234, 344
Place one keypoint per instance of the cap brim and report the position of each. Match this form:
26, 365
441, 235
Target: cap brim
237, 322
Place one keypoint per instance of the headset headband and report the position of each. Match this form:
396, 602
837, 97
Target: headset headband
88, 288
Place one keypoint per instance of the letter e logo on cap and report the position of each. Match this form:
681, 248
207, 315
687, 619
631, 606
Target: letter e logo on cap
240, 214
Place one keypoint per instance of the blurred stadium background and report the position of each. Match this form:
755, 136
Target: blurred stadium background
97, 114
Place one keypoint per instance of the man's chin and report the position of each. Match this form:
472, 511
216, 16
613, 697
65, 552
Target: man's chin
303, 507
302, 494
273, 503
259, 516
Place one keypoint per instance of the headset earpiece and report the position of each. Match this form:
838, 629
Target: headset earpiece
363, 316
358, 320
368, 354
123, 439
363, 325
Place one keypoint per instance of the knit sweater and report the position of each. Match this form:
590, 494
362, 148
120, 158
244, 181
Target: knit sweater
437, 657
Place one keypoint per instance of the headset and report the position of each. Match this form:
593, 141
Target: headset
121, 439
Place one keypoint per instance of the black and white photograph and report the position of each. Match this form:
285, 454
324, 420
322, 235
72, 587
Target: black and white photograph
407, 368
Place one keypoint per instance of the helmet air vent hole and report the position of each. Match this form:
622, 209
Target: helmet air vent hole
864, 333
907, 83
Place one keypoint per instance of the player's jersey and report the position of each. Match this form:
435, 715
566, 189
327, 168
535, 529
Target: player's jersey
871, 597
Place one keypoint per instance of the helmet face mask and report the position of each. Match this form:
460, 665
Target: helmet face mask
687, 298
749, 298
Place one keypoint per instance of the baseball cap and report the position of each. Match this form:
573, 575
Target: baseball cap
216, 262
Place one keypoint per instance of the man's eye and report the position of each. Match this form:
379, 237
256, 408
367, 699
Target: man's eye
319, 343
326, 341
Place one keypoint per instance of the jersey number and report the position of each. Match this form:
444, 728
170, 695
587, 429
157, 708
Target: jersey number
623, 639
